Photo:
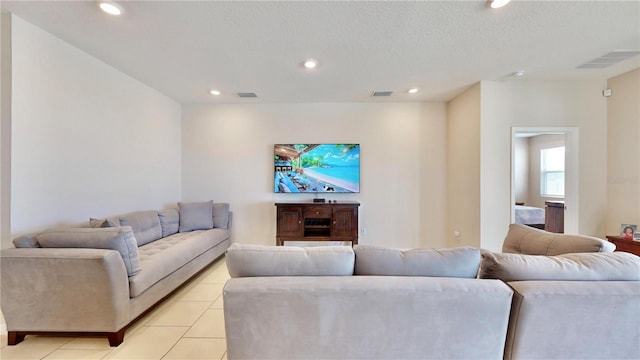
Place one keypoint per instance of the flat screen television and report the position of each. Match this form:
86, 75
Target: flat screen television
316, 168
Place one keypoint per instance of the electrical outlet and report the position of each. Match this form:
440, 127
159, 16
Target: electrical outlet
457, 234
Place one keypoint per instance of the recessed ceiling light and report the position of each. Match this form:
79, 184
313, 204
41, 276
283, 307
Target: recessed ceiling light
110, 7
498, 3
518, 73
214, 92
413, 90
310, 63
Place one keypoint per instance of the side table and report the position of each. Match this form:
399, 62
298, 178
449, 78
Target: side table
626, 245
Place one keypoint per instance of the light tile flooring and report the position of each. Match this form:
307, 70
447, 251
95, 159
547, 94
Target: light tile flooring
188, 325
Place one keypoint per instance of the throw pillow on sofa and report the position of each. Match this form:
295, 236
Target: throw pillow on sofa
522, 239
195, 215
145, 225
221, 215
120, 239
26, 241
459, 262
169, 221
106, 222
616, 266
261, 260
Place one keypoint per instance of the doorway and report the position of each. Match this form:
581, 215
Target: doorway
556, 137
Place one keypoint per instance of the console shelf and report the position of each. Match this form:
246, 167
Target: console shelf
317, 222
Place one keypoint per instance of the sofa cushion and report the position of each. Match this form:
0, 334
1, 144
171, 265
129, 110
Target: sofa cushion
145, 225
120, 239
522, 239
221, 215
169, 221
614, 266
195, 215
462, 262
258, 260
160, 258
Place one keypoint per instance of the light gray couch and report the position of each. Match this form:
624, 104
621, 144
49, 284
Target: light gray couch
403, 305
100, 278
378, 303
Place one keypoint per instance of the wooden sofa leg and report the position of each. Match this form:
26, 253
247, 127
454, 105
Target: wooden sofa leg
14, 337
116, 338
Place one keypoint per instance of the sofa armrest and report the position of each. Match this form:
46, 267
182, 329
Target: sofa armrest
574, 320
60, 289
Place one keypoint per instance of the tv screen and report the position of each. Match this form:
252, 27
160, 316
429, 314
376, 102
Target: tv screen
317, 168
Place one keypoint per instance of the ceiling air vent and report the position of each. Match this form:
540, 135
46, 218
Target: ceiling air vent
608, 59
247, 95
382, 92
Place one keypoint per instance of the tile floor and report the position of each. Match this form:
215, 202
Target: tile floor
188, 325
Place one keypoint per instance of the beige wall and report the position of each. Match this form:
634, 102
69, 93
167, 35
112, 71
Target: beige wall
480, 122
433, 175
463, 169
227, 155
510, 104
623, 151
521, 169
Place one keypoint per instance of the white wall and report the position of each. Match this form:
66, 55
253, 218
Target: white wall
541, 104
227, 156
87, 140
5, 126
623, 170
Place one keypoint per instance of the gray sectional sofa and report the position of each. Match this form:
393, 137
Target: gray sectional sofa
99, 277
461, 303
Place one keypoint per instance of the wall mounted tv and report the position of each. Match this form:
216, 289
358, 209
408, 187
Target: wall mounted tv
316, 168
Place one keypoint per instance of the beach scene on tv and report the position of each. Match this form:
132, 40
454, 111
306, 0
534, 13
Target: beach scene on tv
317, 168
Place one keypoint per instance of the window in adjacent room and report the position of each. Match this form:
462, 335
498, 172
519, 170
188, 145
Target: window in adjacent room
552, 172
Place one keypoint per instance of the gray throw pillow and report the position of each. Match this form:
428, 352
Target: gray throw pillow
112, 221
169, 220
195, 216
221, 215
120, 239
615, 266
26, 241
145, 225
97, 223
461, 262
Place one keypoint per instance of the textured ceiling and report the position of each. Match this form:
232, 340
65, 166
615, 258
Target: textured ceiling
185, 48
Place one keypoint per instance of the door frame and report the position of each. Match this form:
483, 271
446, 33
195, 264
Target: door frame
571, 183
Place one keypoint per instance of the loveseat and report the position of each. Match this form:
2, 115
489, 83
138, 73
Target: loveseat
461, 303
98, 278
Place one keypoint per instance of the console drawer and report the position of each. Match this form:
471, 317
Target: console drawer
317, 212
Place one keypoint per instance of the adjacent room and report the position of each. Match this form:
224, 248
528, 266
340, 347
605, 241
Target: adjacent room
177, 133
